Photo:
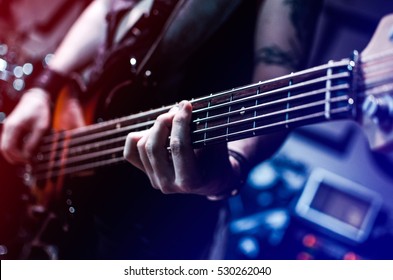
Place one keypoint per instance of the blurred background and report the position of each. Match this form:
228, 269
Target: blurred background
324, 195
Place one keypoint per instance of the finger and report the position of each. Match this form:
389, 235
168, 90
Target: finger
183, 155
9, 143
130, 151
156, 148
141, 147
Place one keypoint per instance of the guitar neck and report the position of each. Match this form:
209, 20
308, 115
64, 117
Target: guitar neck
310, 96
318, 94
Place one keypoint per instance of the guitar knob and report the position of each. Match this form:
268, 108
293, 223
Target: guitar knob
379, 110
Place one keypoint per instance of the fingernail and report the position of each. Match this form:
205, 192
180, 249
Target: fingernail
182, 104
175, 108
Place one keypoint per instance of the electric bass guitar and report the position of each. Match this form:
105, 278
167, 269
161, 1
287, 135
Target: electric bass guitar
359, 88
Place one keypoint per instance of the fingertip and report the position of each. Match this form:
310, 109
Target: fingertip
185, 113
175, 108
185, 105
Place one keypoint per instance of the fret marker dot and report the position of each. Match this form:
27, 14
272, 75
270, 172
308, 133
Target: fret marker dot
243, 111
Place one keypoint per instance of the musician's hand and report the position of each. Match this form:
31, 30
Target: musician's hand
181, 169
24, 127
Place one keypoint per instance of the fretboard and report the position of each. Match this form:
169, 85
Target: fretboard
310, 96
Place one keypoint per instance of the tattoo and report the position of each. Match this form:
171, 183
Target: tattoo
303, 16
275, 55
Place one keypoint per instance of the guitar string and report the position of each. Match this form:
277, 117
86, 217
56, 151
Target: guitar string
81, 131
375, 57
48, 149
377, 69
279, 112
279, 123
377, 87
77, 151
283, 89
118, 157
58, 163
83, 138
120, 138
379, 78
286, 99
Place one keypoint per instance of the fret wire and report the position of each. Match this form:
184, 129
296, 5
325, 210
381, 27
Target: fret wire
256, 105
207, 115
329, 73
288, 96
229, 112
292, 109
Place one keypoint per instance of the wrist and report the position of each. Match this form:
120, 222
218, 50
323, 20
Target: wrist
241, 168
38, 94
51, 82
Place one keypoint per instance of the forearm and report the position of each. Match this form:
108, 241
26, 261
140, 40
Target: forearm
283, 36
81, 43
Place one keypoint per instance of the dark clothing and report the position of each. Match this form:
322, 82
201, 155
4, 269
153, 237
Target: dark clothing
118, 214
